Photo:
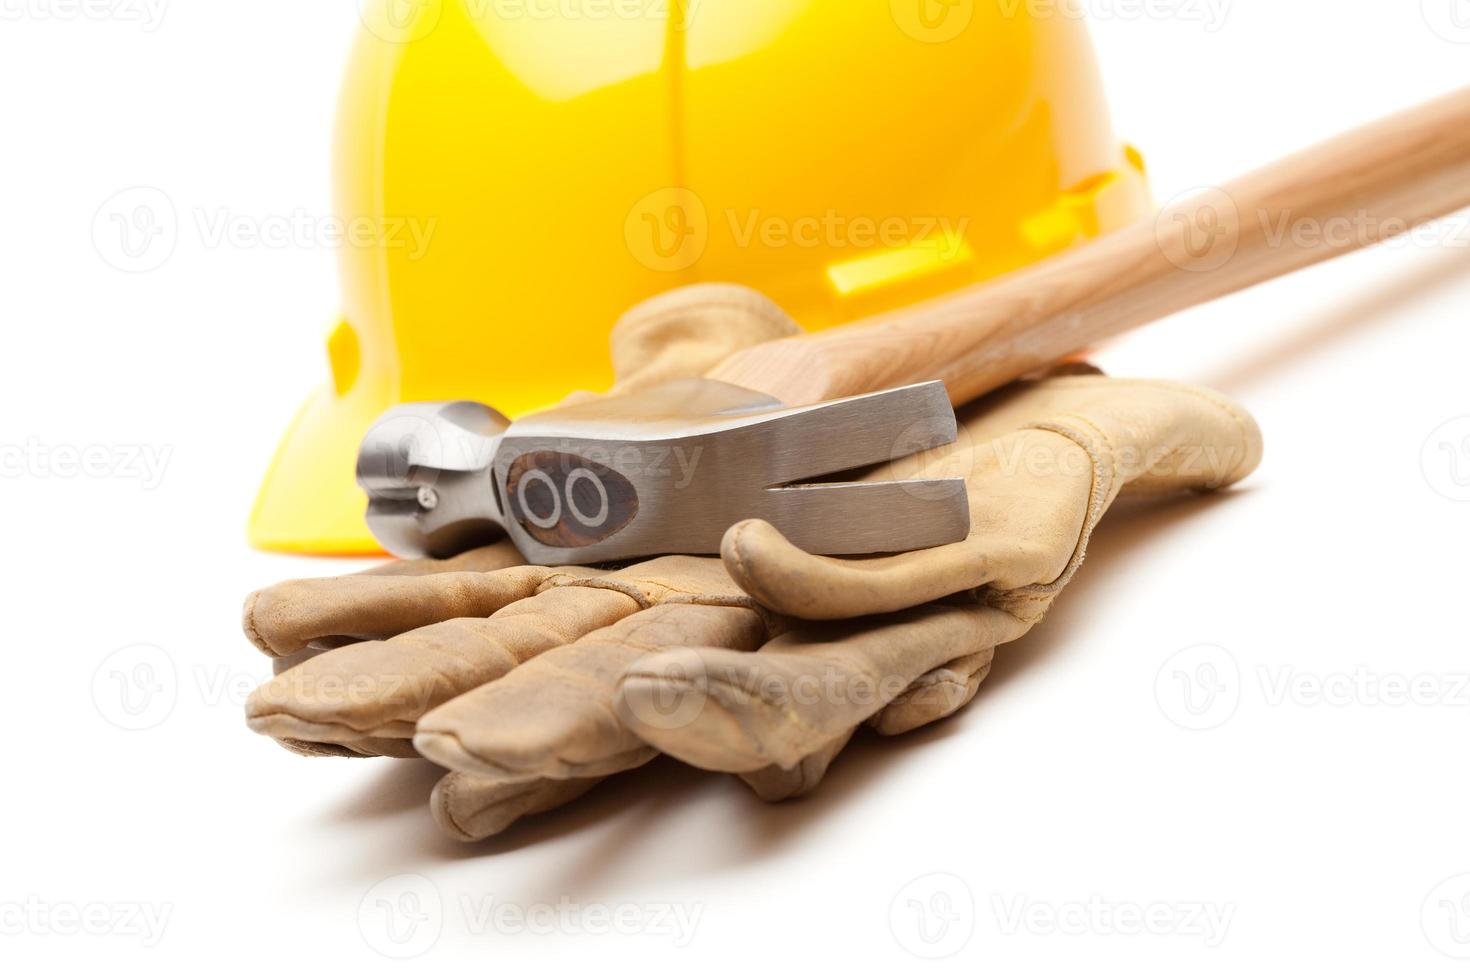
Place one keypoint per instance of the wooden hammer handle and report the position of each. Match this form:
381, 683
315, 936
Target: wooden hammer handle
1341, 196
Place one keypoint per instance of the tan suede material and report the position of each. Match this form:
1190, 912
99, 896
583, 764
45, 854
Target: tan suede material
309, 613
684, 332
469, 808
803, 690
490, 558
937, 694
774, 784
555, 716
381, 689
1043, 462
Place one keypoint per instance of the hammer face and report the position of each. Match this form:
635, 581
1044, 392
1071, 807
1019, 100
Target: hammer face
425, 467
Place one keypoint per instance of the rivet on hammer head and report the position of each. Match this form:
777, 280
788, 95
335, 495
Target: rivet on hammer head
428, 498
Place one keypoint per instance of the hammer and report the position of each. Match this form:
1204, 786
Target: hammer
668, 471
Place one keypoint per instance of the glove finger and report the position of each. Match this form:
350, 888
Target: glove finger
933, 696
774, 784
380, 689
742, 713
685, 333
326, 612
555, 716
936, 695
470, 808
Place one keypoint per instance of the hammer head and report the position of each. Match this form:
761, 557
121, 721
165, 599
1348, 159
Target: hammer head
664, 471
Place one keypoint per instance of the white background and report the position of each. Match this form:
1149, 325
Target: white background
1321, 832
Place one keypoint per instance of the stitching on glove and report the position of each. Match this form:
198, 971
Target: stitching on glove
1103, 478
612, 585
772, 624
637, 591
448, 797
251, 631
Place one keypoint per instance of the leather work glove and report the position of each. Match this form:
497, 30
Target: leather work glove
531, 684
1043, 461
537, 650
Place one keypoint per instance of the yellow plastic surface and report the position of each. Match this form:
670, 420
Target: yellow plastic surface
519, 173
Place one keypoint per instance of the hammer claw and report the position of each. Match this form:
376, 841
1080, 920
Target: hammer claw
871, 518
834, 437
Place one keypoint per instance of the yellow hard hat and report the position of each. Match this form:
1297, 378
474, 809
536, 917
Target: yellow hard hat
514, 174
